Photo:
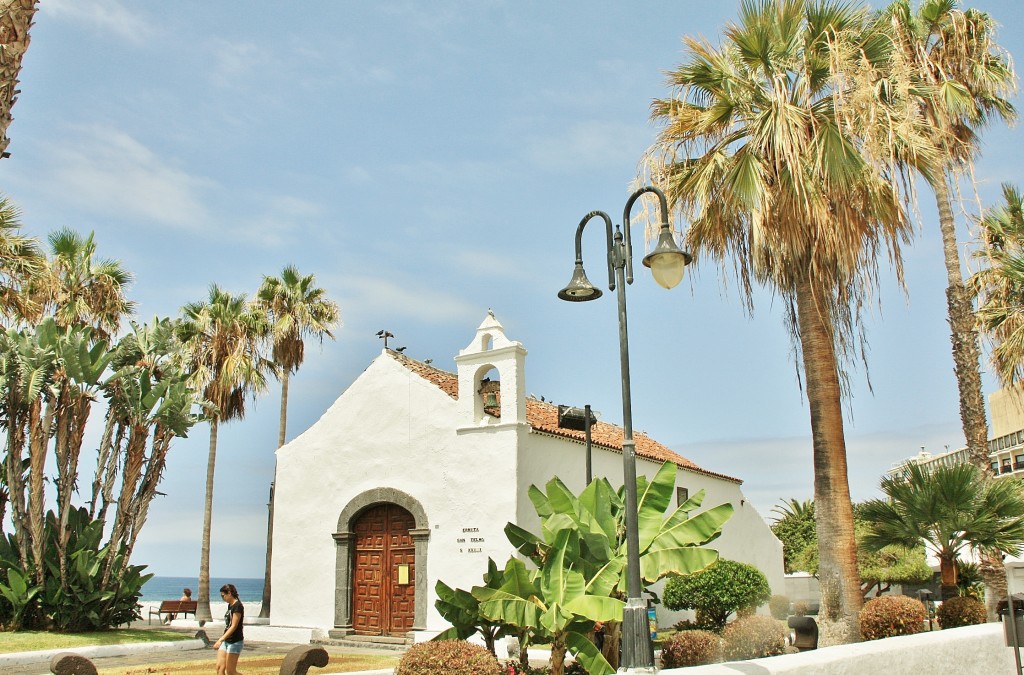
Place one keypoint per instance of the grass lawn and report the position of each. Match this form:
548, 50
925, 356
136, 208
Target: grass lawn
264, 664
31, 641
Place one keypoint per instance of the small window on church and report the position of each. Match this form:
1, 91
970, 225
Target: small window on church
682, 494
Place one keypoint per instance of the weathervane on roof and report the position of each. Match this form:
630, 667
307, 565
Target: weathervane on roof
384, 335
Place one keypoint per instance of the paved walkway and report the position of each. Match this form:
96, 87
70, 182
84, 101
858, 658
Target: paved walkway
126, 661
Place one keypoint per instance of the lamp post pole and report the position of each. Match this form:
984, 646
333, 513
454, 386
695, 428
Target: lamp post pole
667, 263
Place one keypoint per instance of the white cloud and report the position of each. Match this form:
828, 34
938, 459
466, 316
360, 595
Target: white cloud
234, 60
280, 217
589, 143
111, 173
368, 296
109, 16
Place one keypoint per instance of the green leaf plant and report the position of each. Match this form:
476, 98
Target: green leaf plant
580, 561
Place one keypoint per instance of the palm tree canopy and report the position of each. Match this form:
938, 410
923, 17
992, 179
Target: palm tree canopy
21, 259
766, 148
1000, 285
950, 509
963, 78
221, 337
297, 309
82, 290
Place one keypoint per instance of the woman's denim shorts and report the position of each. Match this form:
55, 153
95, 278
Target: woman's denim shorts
232, 647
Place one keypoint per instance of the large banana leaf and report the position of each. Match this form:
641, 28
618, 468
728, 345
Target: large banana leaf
600, 500
652, 503
682, 560
696, 531
512, 609
587, 654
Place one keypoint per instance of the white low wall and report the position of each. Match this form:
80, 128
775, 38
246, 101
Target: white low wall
971, 650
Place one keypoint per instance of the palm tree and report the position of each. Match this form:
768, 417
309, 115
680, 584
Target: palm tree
21, 259
221, 338
950, 509
80, 290
1000, 286
15, 22
962, 79
297, 309
756, 149
794, 509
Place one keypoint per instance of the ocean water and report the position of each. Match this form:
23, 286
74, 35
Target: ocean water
169, 588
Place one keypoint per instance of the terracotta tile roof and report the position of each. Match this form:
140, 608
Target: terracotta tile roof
543, 417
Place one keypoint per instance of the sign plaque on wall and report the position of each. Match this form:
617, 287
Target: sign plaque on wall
470, 540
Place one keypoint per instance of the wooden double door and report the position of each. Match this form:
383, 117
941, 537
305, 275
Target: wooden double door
383, 598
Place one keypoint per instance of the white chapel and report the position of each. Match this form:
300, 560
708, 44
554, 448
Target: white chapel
413, 472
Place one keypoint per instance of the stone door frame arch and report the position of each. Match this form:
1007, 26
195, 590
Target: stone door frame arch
344, 539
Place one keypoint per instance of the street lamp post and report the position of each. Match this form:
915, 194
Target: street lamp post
667, 262
579, 420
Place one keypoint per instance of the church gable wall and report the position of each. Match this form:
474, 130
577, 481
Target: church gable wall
391, 429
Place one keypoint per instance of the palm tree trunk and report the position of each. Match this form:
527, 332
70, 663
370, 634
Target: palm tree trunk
15, 22
837, 549
283, 423
966, 354
203, 613
967, 366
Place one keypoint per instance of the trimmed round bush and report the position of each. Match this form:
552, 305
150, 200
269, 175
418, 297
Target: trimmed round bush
778, 605
891, 615
753, 637
961, 611
716, 591
691, 648
452, 657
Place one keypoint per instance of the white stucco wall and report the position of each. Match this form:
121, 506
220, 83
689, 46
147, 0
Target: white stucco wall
391, 429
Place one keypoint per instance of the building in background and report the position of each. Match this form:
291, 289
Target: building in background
1005, 446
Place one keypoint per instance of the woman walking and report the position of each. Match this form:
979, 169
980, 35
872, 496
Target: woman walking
229, 646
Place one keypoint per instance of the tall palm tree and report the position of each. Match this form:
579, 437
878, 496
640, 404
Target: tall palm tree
297, 309
950, 509
780, 187
80, 290
1000, 285
221, 338
15, 22
962, 80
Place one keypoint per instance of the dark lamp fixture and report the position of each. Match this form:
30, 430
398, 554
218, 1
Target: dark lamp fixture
579, 289
667, 261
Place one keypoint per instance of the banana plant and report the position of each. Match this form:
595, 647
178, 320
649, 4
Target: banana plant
669, 545
462, 611
557, 602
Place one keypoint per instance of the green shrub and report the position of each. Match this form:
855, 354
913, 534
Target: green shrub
452, 657
961, 611
81, 601
891, 615
753, 637
718, 590
691, 648
778, 605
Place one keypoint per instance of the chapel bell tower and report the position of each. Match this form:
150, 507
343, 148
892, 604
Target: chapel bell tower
492, 383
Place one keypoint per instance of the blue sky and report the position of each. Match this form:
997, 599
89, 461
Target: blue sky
428, 161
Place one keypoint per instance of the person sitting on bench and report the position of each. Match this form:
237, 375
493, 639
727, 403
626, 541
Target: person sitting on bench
186, 594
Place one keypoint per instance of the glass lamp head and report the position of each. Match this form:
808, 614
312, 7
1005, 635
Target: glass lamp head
667, 261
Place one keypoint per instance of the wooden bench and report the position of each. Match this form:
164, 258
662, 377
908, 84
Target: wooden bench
183, 607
